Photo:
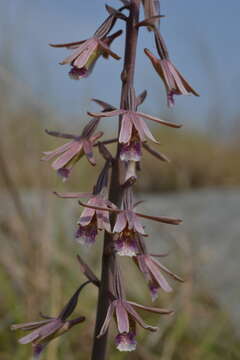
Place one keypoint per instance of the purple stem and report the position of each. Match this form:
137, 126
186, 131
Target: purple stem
115, 192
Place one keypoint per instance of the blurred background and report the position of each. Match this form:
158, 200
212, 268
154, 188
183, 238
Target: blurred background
38, 268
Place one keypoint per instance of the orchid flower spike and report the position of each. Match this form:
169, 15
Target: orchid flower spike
126, 316
87, 52
51, 327
70, 153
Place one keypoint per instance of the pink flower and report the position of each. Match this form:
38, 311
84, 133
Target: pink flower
128, 227
133, 123
86, 53
152, 270
70, 153
94, 216
126, 316
92, 220
46, 330
174, 82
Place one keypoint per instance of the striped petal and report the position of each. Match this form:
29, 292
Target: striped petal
65, 158
121, 223
126, 129
61, 149
122, 317
157, 275
107, 320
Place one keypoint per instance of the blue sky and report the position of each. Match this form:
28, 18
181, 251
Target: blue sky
202, 37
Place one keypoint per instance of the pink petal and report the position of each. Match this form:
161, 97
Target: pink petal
163, 268
88, 150
157, 275
43, 332
107, 113
103, 220
122, 318
162, 219
73, 195
151, 308
137, 124
126, 129
107, 320
30, 325
138, 319
141, 264
121, 223
50, 328
79, 49
138, 226
29, 338
80, 56
130, 218
146, 131
100, 208
163, 122
64, 159
69, 45
61, 149
86, 216
84, 57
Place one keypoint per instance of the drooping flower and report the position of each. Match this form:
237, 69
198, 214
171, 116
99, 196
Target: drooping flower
152, 271
126, 316
131, 150
70, 153
51, 327
128, 227
94, 216
133, 131
93, 220
133, 123
173, 80
87, 52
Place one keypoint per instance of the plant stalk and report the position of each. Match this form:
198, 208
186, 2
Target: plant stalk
115, 191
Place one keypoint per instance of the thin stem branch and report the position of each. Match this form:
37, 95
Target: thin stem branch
115, 192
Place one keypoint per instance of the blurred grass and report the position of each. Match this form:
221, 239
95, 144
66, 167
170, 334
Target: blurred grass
38, 270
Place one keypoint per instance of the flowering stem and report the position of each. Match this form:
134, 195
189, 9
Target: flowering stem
115, 192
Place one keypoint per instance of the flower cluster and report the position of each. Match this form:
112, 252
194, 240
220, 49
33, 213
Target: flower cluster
110, 206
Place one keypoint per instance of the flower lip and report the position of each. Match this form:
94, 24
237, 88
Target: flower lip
126, 341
